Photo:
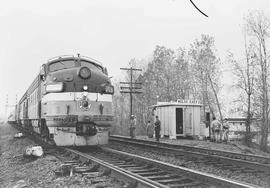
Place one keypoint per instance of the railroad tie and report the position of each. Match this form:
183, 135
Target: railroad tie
146, 174
144, 170
161, 177
184, 185
127, 165
174, 180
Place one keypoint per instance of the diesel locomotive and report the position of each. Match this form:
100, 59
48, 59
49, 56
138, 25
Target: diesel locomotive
69, 102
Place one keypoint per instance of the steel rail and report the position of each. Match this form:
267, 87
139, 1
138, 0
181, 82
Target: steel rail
203, 177
118, 172
227, 160
144, 182
248, 157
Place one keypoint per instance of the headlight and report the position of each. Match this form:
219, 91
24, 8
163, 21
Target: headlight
84, 72
56, 87
85, 88
109, 89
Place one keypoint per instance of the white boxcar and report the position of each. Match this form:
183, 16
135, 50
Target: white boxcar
181, 118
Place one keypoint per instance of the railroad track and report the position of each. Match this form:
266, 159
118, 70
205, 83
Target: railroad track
213, 152
228, 160
143, 172
152, 173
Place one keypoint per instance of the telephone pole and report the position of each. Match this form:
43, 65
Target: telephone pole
6, 109
131, 87
7, 106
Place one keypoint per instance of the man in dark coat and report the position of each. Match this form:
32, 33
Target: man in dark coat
157, 128
132, 126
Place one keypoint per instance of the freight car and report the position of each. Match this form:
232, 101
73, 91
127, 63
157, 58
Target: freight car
69, 102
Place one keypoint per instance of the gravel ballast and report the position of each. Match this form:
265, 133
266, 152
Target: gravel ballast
190, 163
18, 171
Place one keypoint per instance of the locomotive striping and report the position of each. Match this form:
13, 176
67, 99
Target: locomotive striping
76, 96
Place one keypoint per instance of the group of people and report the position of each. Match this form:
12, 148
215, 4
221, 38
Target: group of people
148, 128
156, 127
219, 131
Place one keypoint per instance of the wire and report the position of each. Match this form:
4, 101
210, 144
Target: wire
197, 8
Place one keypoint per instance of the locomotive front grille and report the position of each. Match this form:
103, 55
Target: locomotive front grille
86, 129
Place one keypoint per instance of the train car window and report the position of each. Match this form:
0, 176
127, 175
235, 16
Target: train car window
59, 65
91, 66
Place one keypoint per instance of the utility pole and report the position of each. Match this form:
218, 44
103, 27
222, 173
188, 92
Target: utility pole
131, 87
16, 107
8, 105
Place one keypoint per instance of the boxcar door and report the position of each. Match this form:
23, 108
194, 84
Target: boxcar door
179, 120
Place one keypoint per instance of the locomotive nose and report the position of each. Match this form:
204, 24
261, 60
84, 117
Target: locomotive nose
85, 73
85, 104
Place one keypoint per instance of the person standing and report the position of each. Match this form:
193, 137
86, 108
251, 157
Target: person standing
215, 125
157, 129
226, 130
149, 129
132, 126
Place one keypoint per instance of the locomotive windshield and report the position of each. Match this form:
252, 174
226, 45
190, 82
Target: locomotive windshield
66, 64
91, 66
59, 65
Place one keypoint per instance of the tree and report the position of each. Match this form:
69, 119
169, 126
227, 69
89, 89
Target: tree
206, 71
258, 27
121, 111
245, 73
180, 72
169, 75
159, 70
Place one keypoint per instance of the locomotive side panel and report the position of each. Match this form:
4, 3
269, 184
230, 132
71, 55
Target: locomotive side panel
22, 111
34, 95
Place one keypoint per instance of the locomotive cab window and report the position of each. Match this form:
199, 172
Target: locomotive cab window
91, 66
59, 65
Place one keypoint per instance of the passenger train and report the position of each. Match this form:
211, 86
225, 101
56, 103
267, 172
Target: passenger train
69, 102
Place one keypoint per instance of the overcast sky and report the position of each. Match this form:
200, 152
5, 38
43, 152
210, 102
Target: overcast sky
112, 32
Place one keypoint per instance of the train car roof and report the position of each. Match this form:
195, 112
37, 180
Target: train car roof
23, 97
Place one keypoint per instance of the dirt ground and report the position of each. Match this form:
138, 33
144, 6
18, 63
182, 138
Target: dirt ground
17, 171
